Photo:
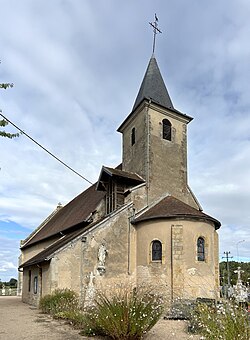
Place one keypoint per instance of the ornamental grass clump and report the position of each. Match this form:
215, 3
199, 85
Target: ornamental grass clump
73, 317
226, 321
59, 302
123, 313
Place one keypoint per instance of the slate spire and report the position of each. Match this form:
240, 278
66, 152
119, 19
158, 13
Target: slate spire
153, 87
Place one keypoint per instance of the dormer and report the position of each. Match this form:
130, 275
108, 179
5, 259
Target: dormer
115, 183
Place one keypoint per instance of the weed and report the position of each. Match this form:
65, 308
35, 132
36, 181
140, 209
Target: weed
61, 300
226, 321
123, 313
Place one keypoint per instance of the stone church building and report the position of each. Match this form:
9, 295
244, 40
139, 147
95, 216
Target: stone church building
140, 222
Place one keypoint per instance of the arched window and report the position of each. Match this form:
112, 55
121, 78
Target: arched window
201, 249
156, 251
133, 136
35, 284
166, 129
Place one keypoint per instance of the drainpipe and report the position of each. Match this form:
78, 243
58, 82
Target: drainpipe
81, 271
131, 218
129, 230
171, 265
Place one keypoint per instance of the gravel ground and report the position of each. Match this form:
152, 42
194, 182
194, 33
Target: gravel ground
23, 322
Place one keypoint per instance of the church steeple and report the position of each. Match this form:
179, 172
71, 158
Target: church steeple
155, 140
153, 87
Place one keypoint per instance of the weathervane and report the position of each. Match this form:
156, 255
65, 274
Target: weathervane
156, 30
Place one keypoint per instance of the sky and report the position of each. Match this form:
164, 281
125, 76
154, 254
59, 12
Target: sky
77, 67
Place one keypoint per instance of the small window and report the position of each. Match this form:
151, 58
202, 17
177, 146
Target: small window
133, 136
156, 251
35, 284
201, 249
29, 284
166, 129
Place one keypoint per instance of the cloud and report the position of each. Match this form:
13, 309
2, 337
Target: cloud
4, 266
9, 253
77, 67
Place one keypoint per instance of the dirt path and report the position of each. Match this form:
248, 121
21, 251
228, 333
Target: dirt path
23, 322
19, 321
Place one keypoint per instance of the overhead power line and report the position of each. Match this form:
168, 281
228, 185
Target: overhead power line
42, 147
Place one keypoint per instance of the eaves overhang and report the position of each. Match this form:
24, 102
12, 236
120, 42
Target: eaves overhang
150, 103
130, 178
216, 223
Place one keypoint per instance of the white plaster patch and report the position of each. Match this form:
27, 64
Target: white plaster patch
192, 271
93, 242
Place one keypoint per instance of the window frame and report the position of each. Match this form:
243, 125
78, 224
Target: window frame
166, 129
35, 282
133, 136
201, 249
29, 281
157, 258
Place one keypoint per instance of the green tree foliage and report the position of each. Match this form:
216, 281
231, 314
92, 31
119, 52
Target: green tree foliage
233, 265
12, 283
6, 85
4, 122
3, 133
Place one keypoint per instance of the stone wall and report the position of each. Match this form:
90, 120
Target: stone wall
134, 157
77, 265
162, 163
168, 159
180, 272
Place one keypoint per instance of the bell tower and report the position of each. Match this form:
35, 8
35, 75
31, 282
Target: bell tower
155, 140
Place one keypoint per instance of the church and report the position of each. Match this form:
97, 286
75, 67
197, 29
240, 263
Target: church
139, 223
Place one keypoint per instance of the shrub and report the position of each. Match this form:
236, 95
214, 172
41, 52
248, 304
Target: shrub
74, 317
123, 313
226, 321
61, 300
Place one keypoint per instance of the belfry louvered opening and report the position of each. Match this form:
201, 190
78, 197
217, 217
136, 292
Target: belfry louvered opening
166, 129
114, 195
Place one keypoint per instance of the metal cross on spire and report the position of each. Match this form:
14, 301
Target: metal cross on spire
155, 30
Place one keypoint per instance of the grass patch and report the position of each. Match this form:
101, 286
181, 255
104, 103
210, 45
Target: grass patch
60, 301
226, 321
75, 318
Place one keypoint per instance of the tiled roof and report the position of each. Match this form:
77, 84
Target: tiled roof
23, 242
44, 254
75, 212
171, 207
